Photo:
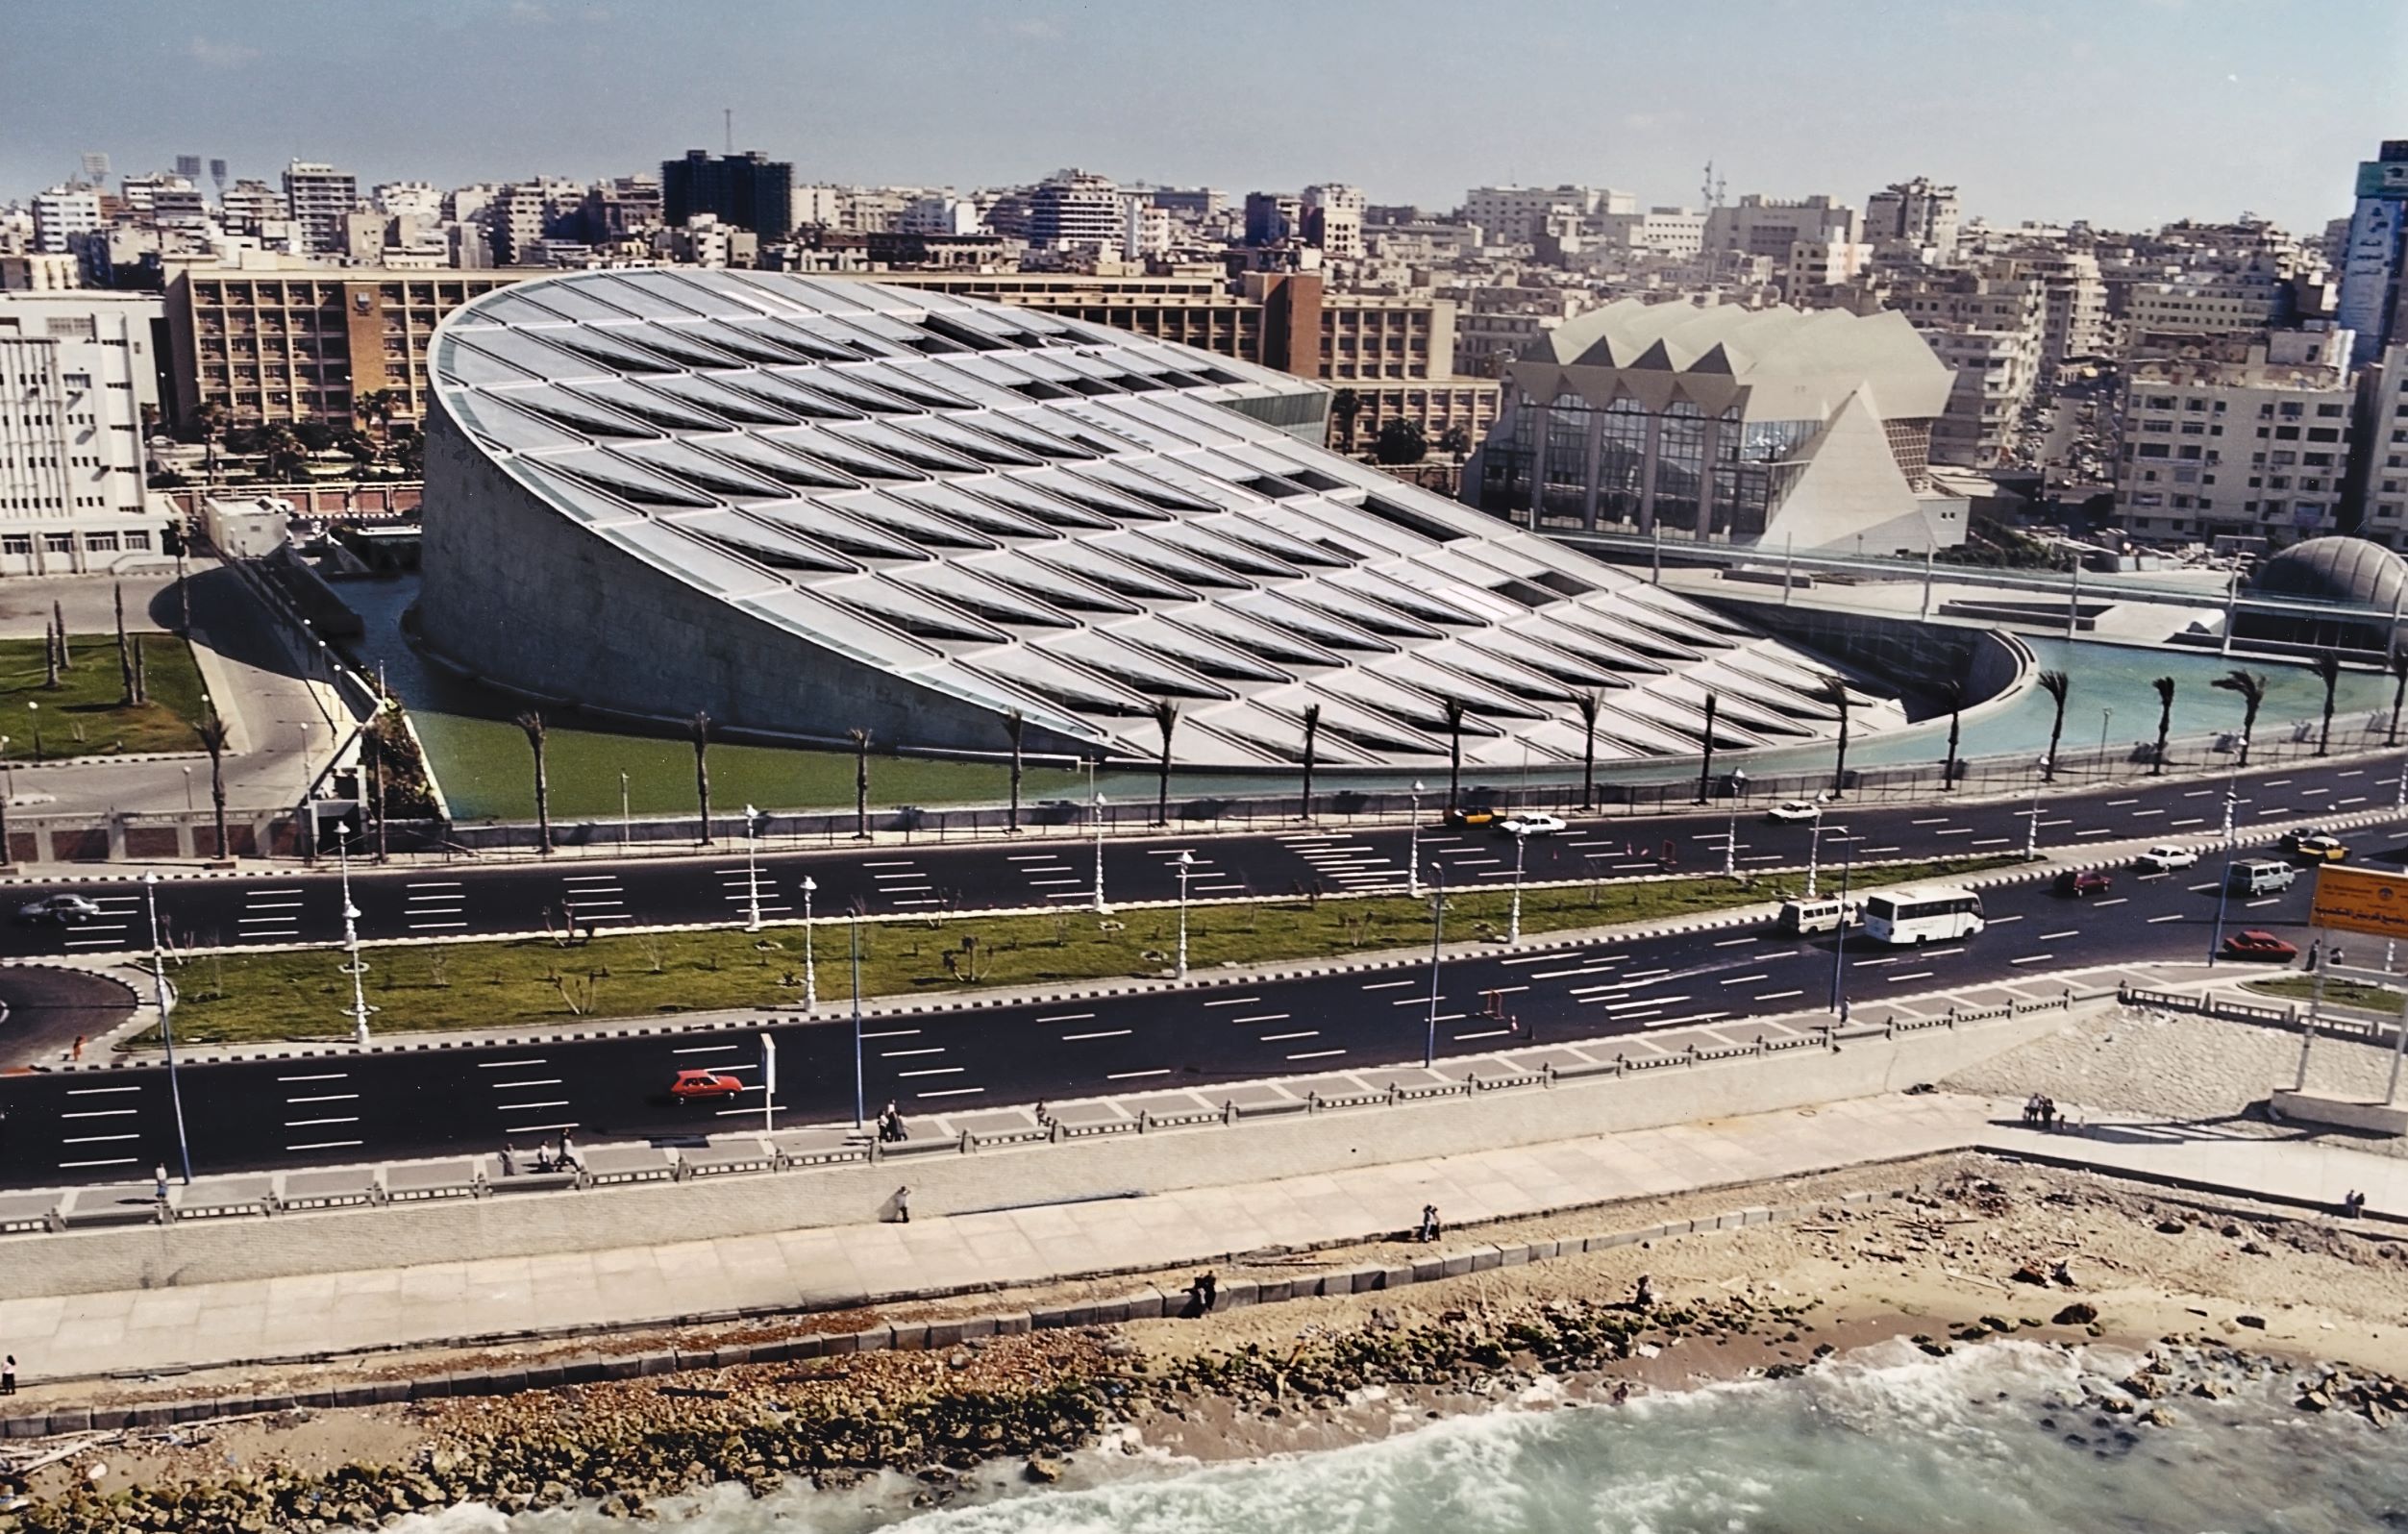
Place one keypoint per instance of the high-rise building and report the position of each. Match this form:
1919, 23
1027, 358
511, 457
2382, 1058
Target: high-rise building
1761, 226
1517, 215
315, 198
2372, 295
2253, 443
247, 205
64, 215
1915, 213
1272, 218
1073, 210
747, 190
1334, 220
400, 197
80, 368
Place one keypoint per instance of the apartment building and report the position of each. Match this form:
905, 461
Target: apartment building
1071, 209
2374, 253
2160, 318
1517, 215
316, 199
1992, 331
77, 370
304, 343
65, 215
2255, 442
2382, 448
1916, 214
1762, 225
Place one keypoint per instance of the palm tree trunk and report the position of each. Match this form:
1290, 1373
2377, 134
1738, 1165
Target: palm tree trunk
1015, 785
2249, 729
1957, 726
2165, 727
2325, 738
1162, 786
543, 805
1706, 762
1455, 767
862, 787
1838, 767
217, 797
2056, 730
702, 789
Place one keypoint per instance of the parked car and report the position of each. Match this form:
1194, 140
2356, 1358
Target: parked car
62, 910
2082, 882
1794, 809
2257, 945
2317, 846
1531, 822
699, 1086
2166, 857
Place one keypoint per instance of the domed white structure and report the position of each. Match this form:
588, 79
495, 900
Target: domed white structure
808, 506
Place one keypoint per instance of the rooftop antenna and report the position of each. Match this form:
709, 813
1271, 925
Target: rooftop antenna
1711, 189
728, 114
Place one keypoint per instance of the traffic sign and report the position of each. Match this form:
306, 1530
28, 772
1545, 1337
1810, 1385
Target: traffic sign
2360, 899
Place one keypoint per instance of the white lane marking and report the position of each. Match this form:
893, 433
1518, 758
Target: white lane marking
1262, 1017
528, 1107
907, 1055
325, 1145
2050, 937
895, 1033
1316, 1055
950, 1092
311, 1124
1107, 1033
1734, 941
325, 1097
2175, 917
1282, 1038
508, 1065
1743, 980
934, 1069
2100, 906
1060, 1017
2033, 958
1779, 996
1381, 985
707, 1049
1917, 975
1133, 1076
1234, 1001
98, 1091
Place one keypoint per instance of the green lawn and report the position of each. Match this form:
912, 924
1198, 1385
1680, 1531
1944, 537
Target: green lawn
2337, 993
83, 715
463, 985
488, 774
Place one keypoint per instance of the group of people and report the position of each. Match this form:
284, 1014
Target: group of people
2040, 1109
890, 1127
1204, 1291
2354, 1204
549, 1157
1428, 1229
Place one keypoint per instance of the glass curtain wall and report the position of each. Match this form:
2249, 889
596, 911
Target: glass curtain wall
1719, 478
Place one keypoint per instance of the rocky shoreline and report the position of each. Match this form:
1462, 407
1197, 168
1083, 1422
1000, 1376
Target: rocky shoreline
1760, 1302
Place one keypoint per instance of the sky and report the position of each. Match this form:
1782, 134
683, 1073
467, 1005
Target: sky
2126, 112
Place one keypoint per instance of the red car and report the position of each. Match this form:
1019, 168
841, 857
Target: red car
2082, 882
695, 1086
2256, 945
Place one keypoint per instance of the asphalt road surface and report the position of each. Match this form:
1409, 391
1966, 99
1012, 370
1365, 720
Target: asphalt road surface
292, 908
113, 1126
43, 1010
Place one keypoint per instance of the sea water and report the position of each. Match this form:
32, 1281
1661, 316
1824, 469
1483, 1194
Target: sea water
1886, 1441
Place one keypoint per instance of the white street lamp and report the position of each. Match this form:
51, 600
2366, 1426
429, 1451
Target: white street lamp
625, 825
810, 966
1100, 907
1513, 923
2031, 831
187, 779
166, 1022
355, 966
1414, 847
1730, 835
1814, 847
751, 871
1186, 867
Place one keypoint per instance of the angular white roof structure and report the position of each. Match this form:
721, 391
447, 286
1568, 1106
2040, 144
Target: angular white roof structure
808, 506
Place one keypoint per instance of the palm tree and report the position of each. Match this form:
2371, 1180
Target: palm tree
1706, 762
1589, 701
860, 739
2399, 690
2327, 672
2057, 684
1165, 720
214, 733
2252, 686
211, 418
701, 727
1015, 726
1453, 710
2164, 721
1344, 406
1954, 691
1834, 692
531, 723
1313, 738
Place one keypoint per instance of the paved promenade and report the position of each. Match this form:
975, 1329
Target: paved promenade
232, 1322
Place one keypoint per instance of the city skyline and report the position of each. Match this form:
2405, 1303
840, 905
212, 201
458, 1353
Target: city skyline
2108, 122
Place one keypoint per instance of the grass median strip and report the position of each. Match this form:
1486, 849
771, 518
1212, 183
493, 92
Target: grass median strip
302, 994
2351, 993
86, 715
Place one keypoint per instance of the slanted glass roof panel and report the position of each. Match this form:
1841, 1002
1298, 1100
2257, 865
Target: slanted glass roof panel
699, 471
528, 355
1090, 563
650, 298
944, 500
766, 456
586, 417
574, 302
1181, 646
961, 586
921, 527
1026, 669
905, 446
650, 407
734, 406
844, 534
762, 541
1251, 635
1055, 588
1130, 667
494, 420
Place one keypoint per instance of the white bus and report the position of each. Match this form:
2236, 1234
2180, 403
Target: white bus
1924, 914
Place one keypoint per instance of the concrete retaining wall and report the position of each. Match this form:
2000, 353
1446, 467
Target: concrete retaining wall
665, 1213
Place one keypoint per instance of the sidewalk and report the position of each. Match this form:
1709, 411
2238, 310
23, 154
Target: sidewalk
838, 1267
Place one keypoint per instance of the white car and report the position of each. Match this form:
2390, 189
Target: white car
1531, 823
2166, 856
1796, 809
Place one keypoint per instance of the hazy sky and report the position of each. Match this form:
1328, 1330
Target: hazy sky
2127, 113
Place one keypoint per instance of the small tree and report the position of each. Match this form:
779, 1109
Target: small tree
58, 621
1345, 407
2165, 722
2327, 672
1165, 720
125, 651
2057, 684
860, 739
1834, 693
531, 723
214, 733
1400, 442
1453, 710
1313, 738
1589, 701
2250, 686
700, 727
1015, 726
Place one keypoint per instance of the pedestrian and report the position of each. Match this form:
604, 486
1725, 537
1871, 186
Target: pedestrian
1209, 1290
568, 1157
1844, 1009
903, 1204
7, 1376
2316, 950
2047, 1113
77, 1053
1643, 1293
1429, 1228
510, 1160
159, 1182
2336, 959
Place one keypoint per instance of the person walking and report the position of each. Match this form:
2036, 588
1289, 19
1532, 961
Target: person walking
7, 1376
1209, 1290
159, 1182
903, 1204
1428, 1228
77, 1053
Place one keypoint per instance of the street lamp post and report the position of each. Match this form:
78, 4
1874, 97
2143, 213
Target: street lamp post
32, 705
166, 1024
354, 966
1186, 867
2032, 827
1100, 907
187, 784
625, 825
1814, 851
1513, 922
751, 871
1413, 846
1839, 948
810, 966
1437, 935
856, 1019
2223, 885
2105, 715
1730, 836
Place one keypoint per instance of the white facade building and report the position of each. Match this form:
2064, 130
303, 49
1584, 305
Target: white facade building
316, 197
403, 198
1916, 214
1334, 220
62, 217
1759, 226
2257, 447
1071, 209
76, 370
1517, 215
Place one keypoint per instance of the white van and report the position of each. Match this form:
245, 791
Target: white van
2261, 875
1799, 918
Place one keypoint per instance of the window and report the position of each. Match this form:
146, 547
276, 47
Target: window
100, 542
138, 541
16, 543
58, 542
2328, 412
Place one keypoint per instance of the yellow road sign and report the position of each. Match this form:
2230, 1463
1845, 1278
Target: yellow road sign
2360, 899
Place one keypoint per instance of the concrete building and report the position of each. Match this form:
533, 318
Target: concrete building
2164, 318
303, 344
2254, 443
1517, 215
1991, 332
1274, 218
77, 371
2374, 255
1071, 209
63, 216
1760, 226
1145, 228
747, 190
400, 198
2074, 304
315, 198
1675, 233
1917, 216
1333, 221
808, 506
2381, 452
247, 207
1780, 426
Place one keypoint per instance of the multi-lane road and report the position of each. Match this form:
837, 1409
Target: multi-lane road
468, 899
